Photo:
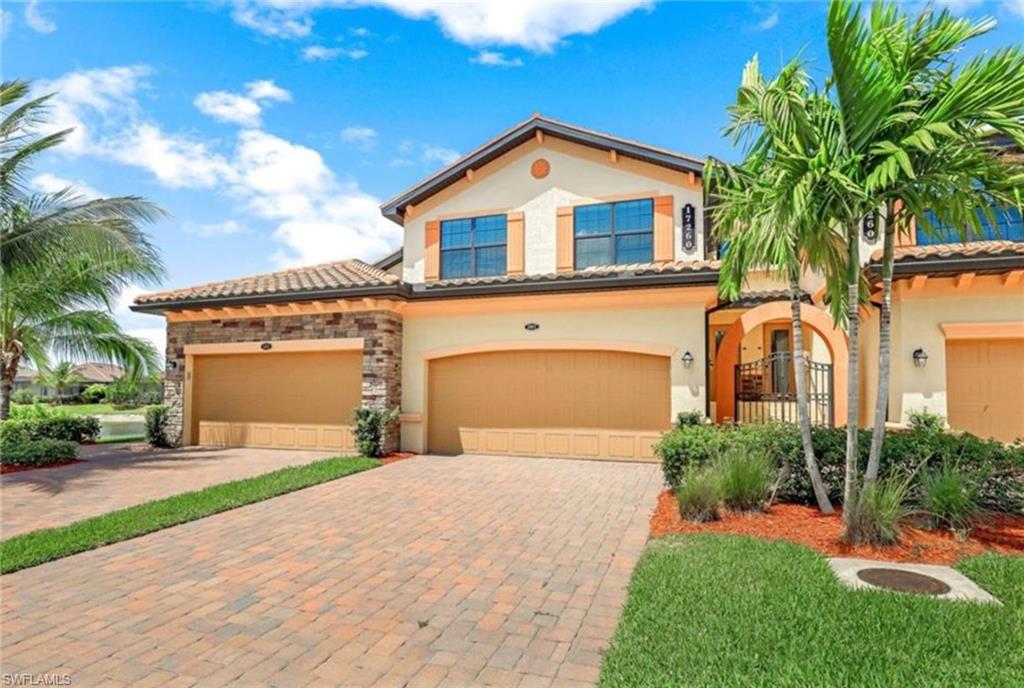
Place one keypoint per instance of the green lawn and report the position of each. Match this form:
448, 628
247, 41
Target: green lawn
98, 409
720, 610
40, 546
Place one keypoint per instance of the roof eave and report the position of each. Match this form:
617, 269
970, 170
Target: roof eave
389, 290
952, 265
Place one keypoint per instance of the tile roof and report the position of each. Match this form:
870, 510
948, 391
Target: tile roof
99, 372
974, 249
337, 275
624, 271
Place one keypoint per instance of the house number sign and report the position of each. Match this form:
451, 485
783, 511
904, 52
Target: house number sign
871, 227
689, 228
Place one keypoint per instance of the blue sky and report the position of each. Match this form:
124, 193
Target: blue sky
271, 130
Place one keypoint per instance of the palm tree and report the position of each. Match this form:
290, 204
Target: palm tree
756, 211
918, 127
60, 377
65, 259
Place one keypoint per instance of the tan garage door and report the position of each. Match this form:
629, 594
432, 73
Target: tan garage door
985, 384
280, 400
581, 404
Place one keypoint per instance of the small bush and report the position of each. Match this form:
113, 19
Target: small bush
690, 446
745, 478
156, 426
371, 428
94, 394
875, 515
698, 495
64, 427
38, 453
23, 396
926, 421
949, 498
688, 418
36, 411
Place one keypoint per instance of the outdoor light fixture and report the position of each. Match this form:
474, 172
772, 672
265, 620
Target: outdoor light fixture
532, 326
172, 364
687, 360
920, 358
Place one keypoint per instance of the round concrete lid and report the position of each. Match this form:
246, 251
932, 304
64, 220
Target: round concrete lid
903, 581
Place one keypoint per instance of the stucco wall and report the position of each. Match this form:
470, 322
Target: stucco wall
571, 179
681, 327
917, 323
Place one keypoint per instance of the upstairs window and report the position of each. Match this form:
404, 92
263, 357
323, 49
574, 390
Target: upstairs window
614, 233
1008, 227
474, 247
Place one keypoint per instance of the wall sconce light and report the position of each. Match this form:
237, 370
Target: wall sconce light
920, 358
172, 364
687, 360
531, 327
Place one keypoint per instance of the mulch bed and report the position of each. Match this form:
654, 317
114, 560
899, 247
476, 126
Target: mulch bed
805, 525
396, 456
4, 470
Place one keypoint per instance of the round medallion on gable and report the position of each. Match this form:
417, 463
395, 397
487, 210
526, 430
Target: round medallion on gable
540, 168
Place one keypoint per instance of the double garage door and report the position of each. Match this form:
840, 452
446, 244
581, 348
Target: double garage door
278, 400
579, 404
985, 387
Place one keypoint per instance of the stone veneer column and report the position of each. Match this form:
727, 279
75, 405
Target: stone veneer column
381, 332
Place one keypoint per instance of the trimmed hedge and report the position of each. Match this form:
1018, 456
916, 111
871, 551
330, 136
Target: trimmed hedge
38, 453
68, 428
998, 469
156, 426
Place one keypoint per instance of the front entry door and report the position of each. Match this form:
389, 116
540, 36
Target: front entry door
780, 348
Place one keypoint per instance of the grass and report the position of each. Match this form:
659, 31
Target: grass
96, 409
717, 610
40, 546
118, 439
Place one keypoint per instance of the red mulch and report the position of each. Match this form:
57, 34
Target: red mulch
4, 470
396, 456
807, 526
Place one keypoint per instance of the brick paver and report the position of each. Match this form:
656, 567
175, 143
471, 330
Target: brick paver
117, 475
460, 571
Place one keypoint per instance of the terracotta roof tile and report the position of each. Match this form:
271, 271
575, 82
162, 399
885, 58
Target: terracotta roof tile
972, 249
337, 275
636, 269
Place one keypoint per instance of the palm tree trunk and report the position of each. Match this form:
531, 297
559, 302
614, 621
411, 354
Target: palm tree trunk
7, 373
884, 345
853, 368
802, 401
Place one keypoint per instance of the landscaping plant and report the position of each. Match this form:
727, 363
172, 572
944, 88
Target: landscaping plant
63, 427
23, 397
690, 418
156, 426
699, 495
688, 446
874, 516
371, 429
745, 478
43, 452
949, 498
94, 394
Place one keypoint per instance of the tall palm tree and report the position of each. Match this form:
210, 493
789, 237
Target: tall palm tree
919, 127
756, 211
64, 259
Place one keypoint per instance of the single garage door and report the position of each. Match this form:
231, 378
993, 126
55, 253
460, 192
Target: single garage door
278, 400
985, 386
579, 404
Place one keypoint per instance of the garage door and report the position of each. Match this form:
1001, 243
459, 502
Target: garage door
580, 404
985, 383
278, 400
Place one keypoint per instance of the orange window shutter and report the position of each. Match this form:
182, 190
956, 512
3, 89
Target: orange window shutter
664, 229
516, 239
432, 251
564, 258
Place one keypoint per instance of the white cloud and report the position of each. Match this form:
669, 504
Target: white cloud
176, 161
364, 138
769, 22
229, 107
320, 53
493, 58
266, 89
536, 25
36, 20
1015, 7
225, 228
959, 6
361, 31
6, 21
445, 156
51, 183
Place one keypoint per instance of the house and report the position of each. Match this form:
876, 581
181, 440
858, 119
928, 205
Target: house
86, 374
555, 295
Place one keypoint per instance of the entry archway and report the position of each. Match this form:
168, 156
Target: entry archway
729, 352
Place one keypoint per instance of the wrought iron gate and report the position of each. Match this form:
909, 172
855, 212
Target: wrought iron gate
766, 390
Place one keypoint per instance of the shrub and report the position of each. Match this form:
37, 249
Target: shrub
36, 411
123, 391
689, 446
64, 427
687, 418
94, 394
949, 498
156, 426
23, 396
698, 495
38, 452
875, 515
927, 421
745, 478
371, 429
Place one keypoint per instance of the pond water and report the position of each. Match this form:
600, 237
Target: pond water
122, 426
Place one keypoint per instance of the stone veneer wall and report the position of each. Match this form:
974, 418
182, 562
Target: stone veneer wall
382, 353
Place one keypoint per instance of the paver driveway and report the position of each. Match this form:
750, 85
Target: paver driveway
116, 476
456, 571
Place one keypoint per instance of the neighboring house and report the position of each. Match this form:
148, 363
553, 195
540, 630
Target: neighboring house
556, 295
87, 374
